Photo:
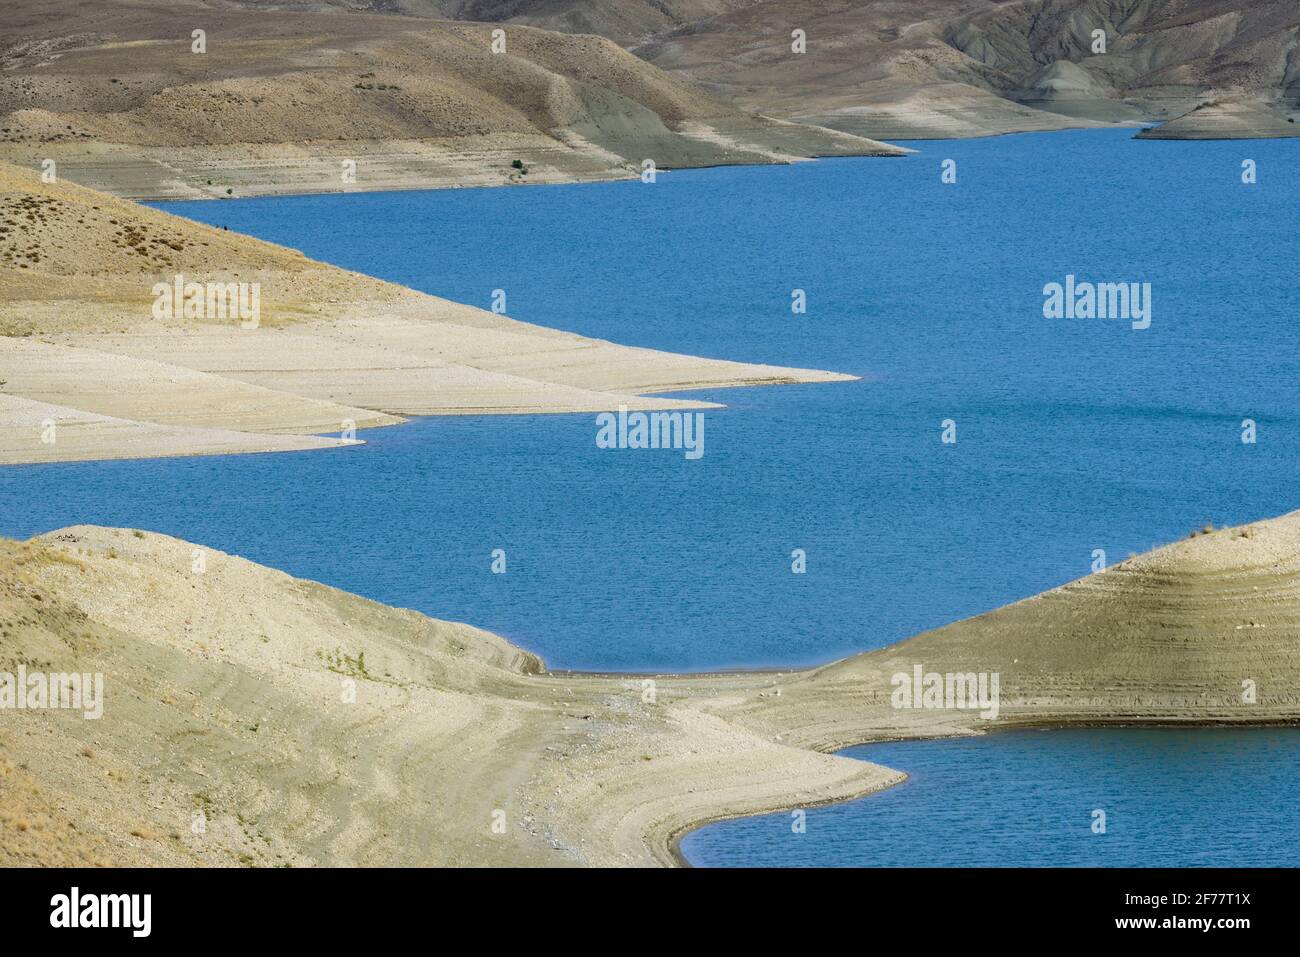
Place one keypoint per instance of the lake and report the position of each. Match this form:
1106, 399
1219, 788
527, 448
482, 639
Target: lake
1071, 434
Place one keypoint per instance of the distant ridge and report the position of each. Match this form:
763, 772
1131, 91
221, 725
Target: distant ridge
935, 68
308, 101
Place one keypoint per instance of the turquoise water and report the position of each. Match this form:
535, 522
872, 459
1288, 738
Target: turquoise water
1072, 434
1170, 798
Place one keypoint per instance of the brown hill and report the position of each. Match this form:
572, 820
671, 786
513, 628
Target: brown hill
88, 370
947, 66
1237, 118
1206, 629
922, 68
115, 94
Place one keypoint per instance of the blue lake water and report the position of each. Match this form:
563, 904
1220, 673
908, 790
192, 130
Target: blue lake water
1169, 798
1072, 434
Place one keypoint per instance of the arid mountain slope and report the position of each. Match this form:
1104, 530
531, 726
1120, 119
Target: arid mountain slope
879, 67
622, 20
115, 93
252, 718
1161, 56
866, 65
1205, 629
899, 68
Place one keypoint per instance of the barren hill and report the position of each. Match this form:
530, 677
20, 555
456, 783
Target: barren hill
252, 718
89, 369
932, 68
1206, 629
622, 20
121, 96
1232, 118
956, 67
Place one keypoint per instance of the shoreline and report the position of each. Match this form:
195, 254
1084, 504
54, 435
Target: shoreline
681, 860
898, 148
330, 351
614, 176
675, 842
284, 182
450, 722
244, 170
287, 179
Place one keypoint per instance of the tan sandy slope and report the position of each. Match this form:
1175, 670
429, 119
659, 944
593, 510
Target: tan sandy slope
253, 718
1231, 118
281, 99
333, 350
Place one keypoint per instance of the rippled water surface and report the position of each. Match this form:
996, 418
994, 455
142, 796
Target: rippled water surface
1073, 435
1170, 798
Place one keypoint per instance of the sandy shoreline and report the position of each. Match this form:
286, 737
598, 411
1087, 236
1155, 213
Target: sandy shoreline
1226, 118
314, 727
89, 370
241, 170
679, 858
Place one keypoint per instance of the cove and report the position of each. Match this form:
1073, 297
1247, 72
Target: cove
1211, 797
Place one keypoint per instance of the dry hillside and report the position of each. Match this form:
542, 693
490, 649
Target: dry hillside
278, 100
1230, 118
252, 718
960, 67
88, 371
922, 68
